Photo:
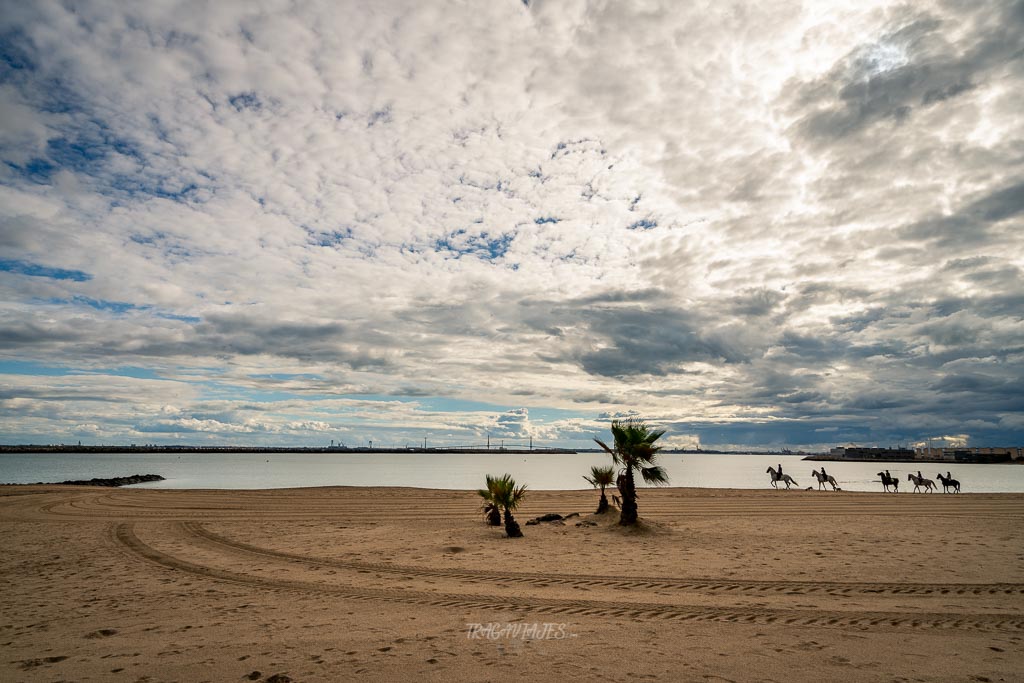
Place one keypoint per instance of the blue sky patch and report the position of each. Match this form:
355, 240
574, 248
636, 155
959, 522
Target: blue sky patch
494, 247
124, 371
36, 170
380, 116
13, 57
643, 224
20, 367
182, 318
37, 270
329, 238
245, 100
102, 305
483, 246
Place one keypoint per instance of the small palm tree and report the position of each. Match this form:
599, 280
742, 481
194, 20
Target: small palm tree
490, 509
634, 450
602, 477
508, 496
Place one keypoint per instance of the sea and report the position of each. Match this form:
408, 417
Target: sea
464, 471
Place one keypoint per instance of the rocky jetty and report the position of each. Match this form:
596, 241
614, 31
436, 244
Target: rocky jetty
115, 481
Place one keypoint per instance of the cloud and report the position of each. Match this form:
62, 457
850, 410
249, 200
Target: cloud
319, 221
913, 65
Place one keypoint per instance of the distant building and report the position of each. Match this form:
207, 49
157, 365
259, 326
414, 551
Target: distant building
868, 453
970, 454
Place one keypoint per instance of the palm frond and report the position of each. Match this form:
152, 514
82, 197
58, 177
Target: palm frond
614, 452
517, 496
601, 476
636, 448
505, 492
654, 475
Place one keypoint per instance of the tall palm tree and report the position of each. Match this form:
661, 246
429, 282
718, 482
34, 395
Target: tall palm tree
508, 496
634, 450
491, 509
602, 477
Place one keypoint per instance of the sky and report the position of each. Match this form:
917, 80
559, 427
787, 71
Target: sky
755, 225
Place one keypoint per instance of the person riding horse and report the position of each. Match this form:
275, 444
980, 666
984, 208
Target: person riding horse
824, 474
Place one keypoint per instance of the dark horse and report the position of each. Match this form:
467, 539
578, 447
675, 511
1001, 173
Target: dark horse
888, 481
949, 483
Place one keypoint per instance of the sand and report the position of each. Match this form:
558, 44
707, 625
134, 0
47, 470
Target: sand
335, 584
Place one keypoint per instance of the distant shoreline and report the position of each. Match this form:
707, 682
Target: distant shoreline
977, 460
820, 457
270, 449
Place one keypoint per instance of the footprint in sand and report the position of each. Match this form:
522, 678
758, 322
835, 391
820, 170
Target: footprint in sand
102, 633
33, 663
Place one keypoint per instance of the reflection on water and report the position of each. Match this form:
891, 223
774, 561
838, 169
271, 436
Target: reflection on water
466, 471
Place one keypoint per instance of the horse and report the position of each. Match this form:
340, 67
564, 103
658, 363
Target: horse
919, 483
785, 478
822, 478
948, 483
888, 481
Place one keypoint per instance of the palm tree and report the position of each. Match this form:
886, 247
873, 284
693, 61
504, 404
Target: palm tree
491, 509
634, 450
602, 477
508, 496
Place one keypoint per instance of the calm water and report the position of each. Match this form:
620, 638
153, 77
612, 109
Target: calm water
465, 471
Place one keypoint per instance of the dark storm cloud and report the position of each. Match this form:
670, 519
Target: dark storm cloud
22, 334
973, 224
755, 434
973, 382
631, 333
810, 347
49, 394
756, 302
217, 335
1009, 304
913, 66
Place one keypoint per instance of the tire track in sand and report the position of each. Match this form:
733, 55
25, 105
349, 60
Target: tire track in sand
710, 585
124, 535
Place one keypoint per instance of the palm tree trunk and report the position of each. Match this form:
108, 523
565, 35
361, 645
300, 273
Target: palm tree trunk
629, 510
602, 507
512, 529
494, 517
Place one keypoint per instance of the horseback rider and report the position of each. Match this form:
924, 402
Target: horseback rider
919, 477
888, 476
824, 474
948, 477
779, 475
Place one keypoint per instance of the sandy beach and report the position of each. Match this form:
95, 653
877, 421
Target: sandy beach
333, 584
